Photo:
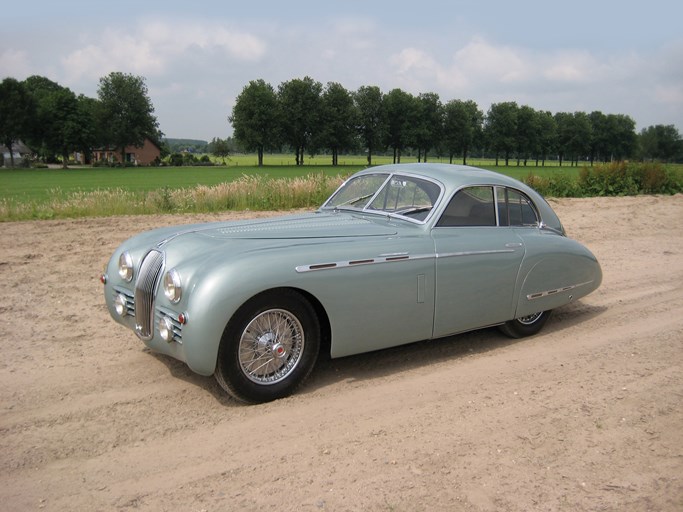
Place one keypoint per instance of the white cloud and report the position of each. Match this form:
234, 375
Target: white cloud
412, 60
569, 67
152, 48
233, 43
481, 59
669, 94
115, 52
17, 61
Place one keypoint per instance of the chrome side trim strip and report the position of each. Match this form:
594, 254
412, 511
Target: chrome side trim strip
391, 258
473, 253
540, 295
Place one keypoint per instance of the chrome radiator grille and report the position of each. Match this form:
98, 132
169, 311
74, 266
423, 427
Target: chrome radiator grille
145, 288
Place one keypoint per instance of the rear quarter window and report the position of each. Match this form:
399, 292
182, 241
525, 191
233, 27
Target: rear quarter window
515, 209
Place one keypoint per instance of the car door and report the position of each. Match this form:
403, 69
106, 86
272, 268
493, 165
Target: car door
477, 263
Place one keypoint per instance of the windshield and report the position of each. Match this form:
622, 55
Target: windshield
407, 196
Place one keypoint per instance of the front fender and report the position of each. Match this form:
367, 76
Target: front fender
215, 294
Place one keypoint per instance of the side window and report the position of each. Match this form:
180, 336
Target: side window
472, 206
515, 209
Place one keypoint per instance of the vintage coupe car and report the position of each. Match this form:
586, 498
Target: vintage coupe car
399, 253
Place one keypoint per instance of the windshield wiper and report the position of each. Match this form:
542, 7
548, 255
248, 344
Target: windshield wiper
355, 200
413, 209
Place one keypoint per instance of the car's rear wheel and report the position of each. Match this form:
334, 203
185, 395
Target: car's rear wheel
269, 347
525, 325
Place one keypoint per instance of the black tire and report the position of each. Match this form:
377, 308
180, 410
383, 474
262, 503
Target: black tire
526, 325
269, 347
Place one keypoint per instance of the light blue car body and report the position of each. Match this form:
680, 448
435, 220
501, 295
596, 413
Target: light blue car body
376, 280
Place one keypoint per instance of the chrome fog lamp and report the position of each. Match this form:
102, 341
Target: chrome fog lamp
172, 286
166, 329
126, 266
121, 305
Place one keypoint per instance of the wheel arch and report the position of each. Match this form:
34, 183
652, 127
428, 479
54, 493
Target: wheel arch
321, 313
230, 370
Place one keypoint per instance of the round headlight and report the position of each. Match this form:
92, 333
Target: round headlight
166, 329
121, 305
126, 266
172, 286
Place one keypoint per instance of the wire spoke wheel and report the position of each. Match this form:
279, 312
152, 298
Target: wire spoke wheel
271, 346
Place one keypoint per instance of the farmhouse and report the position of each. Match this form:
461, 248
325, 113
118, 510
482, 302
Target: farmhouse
146, 154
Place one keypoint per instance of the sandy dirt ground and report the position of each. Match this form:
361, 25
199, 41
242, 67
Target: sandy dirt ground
586, 416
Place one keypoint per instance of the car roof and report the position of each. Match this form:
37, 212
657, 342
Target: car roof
452, 176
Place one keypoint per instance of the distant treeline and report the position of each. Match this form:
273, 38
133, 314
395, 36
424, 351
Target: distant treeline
186, 145
309, 118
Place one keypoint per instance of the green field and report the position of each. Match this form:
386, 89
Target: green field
241, 185
26, 185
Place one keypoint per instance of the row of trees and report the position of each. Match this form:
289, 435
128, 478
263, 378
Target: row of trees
307, 117
53, 121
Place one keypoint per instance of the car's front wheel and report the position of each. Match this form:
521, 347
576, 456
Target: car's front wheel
269, 347
525, 325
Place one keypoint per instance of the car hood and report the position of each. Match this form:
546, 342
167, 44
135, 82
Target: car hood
305, 226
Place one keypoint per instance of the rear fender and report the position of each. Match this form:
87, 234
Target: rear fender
555, 271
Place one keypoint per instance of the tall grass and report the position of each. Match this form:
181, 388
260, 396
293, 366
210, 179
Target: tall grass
249, 193
258, 191
245, 193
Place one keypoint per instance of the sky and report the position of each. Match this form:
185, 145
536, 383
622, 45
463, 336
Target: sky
618, 57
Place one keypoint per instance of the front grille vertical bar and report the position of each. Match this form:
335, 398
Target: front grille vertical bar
145, 288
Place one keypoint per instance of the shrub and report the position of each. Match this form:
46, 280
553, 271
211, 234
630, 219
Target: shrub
558, 185
622, 178
611, 179
175, 159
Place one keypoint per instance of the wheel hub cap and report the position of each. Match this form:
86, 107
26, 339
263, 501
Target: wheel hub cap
271, 346
529, 319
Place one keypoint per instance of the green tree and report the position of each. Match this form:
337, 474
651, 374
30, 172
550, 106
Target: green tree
64, 121
661, 142
621, 136
255, 118
126, 113
574, 135
300, 108
64, 134
87, 136
462, 127
371, 126
547, 142
501, 128
528, 133
17, 110
429, 128
599, 144
336, 126
220, 148
43, 130
401, 114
